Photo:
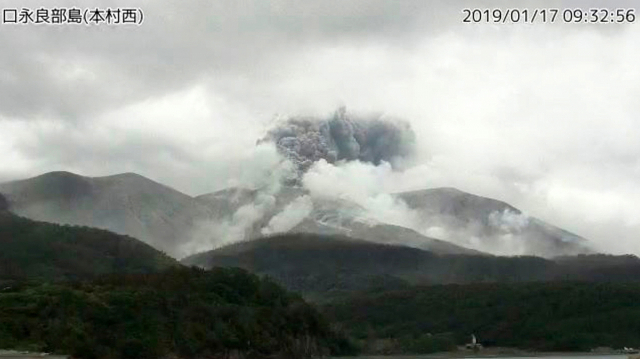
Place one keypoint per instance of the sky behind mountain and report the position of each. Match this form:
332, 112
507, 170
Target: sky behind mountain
543, 116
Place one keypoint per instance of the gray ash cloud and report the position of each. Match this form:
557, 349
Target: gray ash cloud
306, 140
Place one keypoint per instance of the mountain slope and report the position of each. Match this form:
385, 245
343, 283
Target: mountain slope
126, 204
487, 224
565, 316
319, 264
323, 216
381, 233
37, 250
448, 221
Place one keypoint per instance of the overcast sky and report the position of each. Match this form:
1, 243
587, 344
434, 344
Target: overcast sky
546, 117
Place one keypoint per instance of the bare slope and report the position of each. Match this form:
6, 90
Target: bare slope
126, 204
325, 217
488, 224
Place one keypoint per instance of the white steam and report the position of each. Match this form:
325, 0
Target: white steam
264, 170
508, 221
214, 233
294, 213
361, 183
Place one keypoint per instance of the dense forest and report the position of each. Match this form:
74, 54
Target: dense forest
44, 251
561, 316
187, 312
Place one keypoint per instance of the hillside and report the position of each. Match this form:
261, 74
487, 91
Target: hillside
324, 216
450, 221
489, 225
37, 250
535, 316
176, 223
126, 204
179, 313
325, 265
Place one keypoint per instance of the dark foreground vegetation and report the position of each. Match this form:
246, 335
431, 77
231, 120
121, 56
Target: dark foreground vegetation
560, 316
38, 251
184, 312
394, 299
321, 265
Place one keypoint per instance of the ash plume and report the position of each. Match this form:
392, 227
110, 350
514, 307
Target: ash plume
306, 140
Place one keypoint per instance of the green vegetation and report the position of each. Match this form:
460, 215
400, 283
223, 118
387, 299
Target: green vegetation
187, 312
43, 251
325, 266
560, 316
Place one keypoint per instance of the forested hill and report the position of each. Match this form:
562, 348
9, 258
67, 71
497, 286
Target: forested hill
180, 313
324, 264
44, 251
560, 316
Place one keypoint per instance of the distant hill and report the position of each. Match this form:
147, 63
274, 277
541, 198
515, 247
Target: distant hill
126, 204
322, 265
489, 225
44, 251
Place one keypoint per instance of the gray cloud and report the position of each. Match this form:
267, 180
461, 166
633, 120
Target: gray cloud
74, 72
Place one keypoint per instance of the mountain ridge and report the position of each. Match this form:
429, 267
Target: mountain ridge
127, 203
450, 220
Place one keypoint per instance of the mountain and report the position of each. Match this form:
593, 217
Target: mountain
320, 265
176, 223
447, 221
126, 204
38, 250
227, 201
317, 215
488, 224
